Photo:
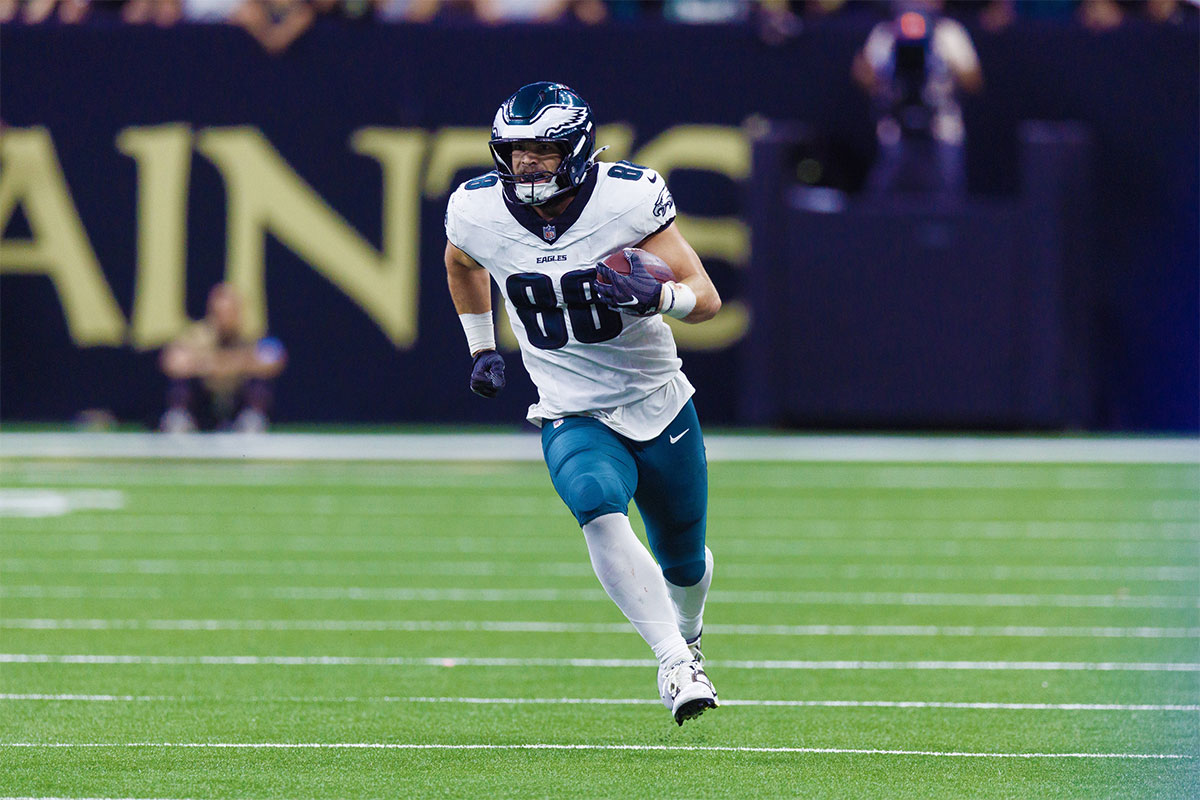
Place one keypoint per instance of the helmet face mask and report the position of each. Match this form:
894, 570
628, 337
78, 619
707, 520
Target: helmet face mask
532, 188
543, 112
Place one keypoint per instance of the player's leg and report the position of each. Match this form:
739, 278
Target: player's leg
178, 416
595, 475
672, 496
192, 406
253, 401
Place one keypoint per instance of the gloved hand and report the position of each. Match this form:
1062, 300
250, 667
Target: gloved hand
638, 293
487, 373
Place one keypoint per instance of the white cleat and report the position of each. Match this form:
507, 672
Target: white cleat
177, 420
693, 646
686, 690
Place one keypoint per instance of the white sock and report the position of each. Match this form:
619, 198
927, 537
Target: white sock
689, 601
635, 583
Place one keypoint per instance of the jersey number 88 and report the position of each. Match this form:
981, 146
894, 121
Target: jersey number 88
532, 294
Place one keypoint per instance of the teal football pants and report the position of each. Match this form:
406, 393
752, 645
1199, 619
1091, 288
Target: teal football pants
597, 471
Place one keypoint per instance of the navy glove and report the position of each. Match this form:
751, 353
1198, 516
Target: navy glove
487, 374
637, 293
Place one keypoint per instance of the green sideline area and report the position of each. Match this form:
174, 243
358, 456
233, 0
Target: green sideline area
1024, 624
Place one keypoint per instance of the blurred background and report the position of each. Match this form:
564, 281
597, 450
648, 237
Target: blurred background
958, 216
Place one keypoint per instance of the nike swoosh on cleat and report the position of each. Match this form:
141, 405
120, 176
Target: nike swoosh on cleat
675, 439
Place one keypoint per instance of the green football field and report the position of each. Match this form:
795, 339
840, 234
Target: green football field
192, 629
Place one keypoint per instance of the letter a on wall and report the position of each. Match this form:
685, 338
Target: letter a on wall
32, 179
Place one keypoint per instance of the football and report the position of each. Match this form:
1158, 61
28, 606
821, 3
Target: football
619, 262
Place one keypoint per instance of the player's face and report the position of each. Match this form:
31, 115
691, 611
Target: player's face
533, 157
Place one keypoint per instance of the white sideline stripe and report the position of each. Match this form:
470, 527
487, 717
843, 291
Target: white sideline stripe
527, 447
462, 661
1019, 631
608, 701
617, 747
727, 596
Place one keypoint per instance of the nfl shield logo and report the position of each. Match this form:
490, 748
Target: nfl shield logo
549, 233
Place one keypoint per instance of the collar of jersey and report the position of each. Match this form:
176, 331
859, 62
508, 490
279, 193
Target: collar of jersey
531, 222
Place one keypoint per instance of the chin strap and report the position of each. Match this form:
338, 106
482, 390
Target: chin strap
592, 157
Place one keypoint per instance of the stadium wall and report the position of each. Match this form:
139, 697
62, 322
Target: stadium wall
140, 166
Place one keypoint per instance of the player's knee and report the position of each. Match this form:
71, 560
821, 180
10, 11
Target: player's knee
593, 494
687, 574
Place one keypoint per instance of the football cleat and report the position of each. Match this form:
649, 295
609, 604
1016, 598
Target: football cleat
177, 420
685, 690
693, 646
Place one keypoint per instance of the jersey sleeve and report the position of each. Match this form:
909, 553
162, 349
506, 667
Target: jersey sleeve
652, 206
454, 232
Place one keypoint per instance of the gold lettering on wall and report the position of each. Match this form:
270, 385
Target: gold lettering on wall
31, 178
264, 195
164, 159
453, 150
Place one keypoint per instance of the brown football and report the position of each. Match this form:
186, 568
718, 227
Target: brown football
618, 262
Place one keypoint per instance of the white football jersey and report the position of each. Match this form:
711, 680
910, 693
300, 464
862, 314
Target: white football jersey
584, 357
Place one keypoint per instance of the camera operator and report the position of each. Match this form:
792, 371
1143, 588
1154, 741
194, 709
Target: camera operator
914, 66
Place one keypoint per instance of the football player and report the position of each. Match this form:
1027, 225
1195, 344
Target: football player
614, 407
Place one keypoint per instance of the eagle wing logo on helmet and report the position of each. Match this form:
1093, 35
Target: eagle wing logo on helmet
566, 119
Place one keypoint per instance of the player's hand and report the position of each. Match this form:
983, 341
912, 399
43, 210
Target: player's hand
638, 293
487, 373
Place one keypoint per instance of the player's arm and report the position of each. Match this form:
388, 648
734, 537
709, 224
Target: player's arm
470, 284
953, 44
183, 358
471, 292
669, 245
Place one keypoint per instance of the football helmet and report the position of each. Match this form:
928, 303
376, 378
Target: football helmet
543, 112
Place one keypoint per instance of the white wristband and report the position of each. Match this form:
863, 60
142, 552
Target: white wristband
481, 333
678, 300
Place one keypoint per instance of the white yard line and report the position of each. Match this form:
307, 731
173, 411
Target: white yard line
234, 566
577, 747
609, 701
39, 503
501, 626
361, 522
457, 661
726, 596
527, 447
347, 543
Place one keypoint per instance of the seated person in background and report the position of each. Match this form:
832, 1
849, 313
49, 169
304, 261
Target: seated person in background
219, 379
